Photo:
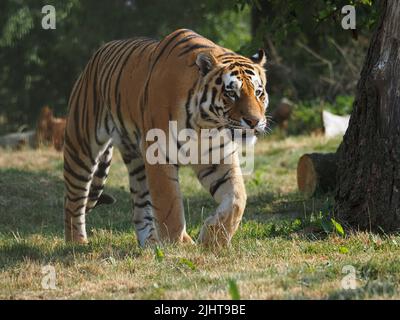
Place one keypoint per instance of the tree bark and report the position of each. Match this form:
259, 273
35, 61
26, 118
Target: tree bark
368, 192
316, 173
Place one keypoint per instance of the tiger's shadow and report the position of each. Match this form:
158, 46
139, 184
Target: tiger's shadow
31, 213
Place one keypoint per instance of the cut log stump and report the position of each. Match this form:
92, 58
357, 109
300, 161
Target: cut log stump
316, 173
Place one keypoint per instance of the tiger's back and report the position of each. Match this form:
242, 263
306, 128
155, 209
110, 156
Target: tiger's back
141, 64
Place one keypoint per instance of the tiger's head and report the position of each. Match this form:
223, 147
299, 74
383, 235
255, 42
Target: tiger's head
232, 92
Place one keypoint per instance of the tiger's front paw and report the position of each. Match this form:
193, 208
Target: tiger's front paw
187, 239
76, 238
150, 241
214, 236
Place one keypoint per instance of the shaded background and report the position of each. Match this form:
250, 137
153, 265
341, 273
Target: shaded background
311, 59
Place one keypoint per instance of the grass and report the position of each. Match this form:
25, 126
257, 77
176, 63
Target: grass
279, 252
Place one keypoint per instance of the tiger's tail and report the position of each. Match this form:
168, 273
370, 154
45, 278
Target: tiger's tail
96, 196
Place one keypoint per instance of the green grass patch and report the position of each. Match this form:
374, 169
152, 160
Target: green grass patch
286, 247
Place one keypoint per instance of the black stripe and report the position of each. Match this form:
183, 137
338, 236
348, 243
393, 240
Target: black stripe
94, 188
70, 192
101, 171
167, 44
117, 95
187, 107
248, 71
205, 115
105, 79
78, 161
95, 194
231, 54
117, 48
112, 46
146, 193
137, 170
75, 199
78, 110
95, 93
184, 40
132, 191
75, 215
144, 227
78, 208
108, 64
214, 95
204, 95
146, 87
215, 186
212, 148
244, 65
86, 112
83, 124
143, 204
106, 123
98, 56
237, 59
115, 63
207, 172
145, 45
79, 177
194, 47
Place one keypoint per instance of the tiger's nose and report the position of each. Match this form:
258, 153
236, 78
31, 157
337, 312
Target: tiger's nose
251, 122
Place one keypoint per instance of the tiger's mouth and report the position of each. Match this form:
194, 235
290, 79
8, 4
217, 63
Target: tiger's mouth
236, 127
242, 132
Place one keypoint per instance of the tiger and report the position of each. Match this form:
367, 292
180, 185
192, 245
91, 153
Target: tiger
131, 86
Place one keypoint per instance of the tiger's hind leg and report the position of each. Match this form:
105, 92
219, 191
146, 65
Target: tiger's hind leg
81, 162
143, 218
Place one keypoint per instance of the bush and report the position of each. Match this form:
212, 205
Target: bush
307, 115
342, 106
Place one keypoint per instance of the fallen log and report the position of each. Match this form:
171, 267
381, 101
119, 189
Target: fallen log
316, 173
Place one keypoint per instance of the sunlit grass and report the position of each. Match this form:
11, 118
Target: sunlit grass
280, 251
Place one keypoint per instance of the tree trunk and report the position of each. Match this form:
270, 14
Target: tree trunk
316, 173
368, 192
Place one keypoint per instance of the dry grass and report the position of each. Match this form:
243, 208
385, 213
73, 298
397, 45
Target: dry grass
273, 256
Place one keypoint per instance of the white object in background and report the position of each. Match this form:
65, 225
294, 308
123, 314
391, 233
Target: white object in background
18, 139
334, 125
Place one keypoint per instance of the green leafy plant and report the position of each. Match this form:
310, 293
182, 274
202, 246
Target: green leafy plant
187, 263
233, 289
332, 226
343, 250
338, 227
159, 254
305, 118
342, 105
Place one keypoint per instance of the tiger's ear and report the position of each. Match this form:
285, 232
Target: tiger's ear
259, 58
206, 62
